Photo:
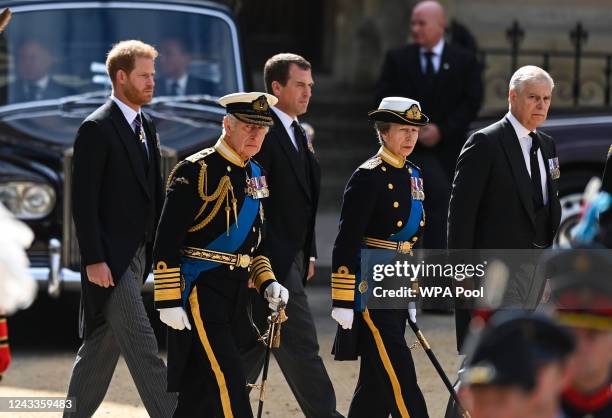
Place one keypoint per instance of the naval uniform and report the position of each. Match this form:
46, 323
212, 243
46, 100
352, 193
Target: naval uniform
382, 209
208, 245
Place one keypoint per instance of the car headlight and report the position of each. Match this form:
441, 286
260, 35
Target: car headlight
27, 200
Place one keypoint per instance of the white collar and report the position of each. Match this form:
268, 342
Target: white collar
521, 131
437, 50
41, 83
129, 113
284, 118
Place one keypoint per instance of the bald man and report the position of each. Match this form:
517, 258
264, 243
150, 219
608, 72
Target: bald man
446, 80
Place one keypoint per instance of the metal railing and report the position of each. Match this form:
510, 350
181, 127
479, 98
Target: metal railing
576, 88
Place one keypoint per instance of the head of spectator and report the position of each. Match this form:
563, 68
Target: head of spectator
582, 294
34, 60
247, 121
131, 68
517, 367
397, 122
427, 23
529, 95
289, 78
174, 58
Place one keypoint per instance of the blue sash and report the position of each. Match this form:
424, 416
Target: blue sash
191, 268
416, 212
383, 256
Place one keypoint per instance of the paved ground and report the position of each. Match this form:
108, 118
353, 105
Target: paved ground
47, 342
44, 371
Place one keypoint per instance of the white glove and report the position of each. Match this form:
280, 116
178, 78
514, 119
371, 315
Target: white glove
344, 317
175, 318
412, 311
274, 294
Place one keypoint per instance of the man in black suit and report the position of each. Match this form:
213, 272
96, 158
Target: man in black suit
505, 189
293, 176
446, 80
117, 198
175, 80
34, 82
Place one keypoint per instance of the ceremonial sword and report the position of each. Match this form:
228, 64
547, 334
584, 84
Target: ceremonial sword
427, 348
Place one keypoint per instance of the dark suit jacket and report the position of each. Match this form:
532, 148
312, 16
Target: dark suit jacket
491, 204
116, 200
452, 103
53, 90
290, 209
195, 85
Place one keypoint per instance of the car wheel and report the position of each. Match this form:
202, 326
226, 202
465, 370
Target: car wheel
570, 196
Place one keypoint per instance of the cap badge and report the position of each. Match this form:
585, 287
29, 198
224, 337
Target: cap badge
413, 113
261, 104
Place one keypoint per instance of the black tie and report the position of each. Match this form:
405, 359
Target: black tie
33, 91
141, 137
536, 182
174, 88
300, 138
429, 67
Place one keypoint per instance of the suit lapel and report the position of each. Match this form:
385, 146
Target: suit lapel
555, 206
442, 74
154, 152
514, 152
287, 146
131, 146
315, 175
416, 71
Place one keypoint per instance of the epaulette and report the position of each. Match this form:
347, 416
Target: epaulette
194, 158
371, 163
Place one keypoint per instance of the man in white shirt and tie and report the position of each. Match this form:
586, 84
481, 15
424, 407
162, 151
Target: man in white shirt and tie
175, 58
504, 194
505, 189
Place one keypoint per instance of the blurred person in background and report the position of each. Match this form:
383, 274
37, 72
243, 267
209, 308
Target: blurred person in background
516, 367
34, 79
174, 79
582, 296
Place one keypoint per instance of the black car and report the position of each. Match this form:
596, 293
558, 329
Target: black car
52, 75
582, 142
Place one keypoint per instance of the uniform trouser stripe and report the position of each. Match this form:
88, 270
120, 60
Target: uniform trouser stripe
214, 364
384, 357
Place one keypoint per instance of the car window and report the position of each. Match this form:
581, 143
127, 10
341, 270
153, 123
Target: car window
49, 54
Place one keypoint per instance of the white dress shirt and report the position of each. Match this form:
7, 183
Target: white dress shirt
286, 120
522, 134
130, 115
436, 58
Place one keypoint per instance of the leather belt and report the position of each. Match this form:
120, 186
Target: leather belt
402, 247
236, 260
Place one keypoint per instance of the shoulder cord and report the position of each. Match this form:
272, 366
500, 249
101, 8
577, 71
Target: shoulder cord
223, 191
